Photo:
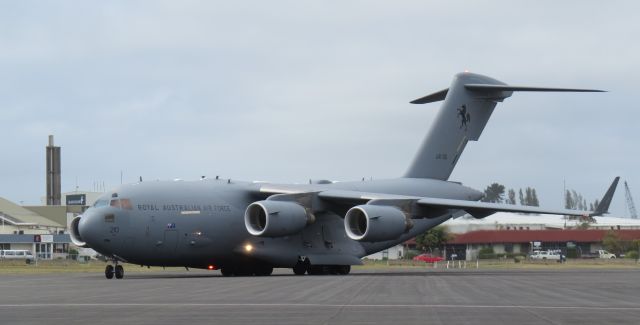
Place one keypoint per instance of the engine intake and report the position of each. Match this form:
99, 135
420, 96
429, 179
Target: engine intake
375, 223
76, 239
275, 218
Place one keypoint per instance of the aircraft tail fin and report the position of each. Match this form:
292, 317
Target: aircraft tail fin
603, 206
467, 107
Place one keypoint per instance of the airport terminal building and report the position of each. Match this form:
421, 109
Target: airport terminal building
42, 230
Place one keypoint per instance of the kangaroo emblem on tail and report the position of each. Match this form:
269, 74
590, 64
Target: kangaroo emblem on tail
465, 117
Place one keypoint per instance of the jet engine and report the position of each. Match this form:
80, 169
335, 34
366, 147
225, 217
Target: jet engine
76, 239
275, 218
375, 223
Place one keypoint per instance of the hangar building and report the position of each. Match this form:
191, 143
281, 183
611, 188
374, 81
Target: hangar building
22, 228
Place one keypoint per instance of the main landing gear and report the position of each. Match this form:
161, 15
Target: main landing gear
110, 271
246, 270
304, 267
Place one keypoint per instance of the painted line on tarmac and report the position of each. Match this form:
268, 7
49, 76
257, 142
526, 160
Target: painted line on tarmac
116, 305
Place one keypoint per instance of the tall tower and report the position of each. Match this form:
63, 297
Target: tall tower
54, 188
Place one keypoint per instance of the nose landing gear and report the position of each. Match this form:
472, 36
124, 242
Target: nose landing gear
110, 271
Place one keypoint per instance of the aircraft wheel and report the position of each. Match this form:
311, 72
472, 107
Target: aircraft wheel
313, 270
226, 272
108, 272
300, 269
319, 270
243, 270
264, 270
119, 272
344, 269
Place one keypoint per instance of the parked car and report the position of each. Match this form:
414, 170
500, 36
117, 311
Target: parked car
601, 253
553, 255
428, 258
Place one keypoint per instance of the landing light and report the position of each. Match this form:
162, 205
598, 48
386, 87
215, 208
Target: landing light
248, 248
211, 267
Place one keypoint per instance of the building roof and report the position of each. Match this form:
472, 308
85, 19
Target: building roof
526, 236
549, 221
16, 214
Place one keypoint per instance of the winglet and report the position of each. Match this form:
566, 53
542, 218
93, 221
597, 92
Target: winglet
603, 206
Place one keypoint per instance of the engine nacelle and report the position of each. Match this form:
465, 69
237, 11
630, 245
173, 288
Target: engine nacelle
375, 223
275, 218
76, 239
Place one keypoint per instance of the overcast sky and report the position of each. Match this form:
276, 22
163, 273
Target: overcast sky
285, 91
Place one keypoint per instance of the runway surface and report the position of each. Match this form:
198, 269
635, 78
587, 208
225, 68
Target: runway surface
364, 297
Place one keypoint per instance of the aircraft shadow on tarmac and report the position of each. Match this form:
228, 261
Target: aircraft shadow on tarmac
430, 273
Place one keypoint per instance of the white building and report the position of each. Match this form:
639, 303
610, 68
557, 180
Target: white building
393, 253
516, 221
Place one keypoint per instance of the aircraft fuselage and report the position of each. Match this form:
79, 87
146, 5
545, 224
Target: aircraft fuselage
201, 223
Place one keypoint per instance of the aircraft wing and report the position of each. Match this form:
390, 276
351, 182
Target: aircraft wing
474, 208
484, 209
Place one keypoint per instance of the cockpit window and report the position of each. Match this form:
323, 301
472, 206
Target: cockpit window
101, 203
121, 203
126, 204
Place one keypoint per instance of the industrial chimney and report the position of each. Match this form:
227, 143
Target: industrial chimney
54, 187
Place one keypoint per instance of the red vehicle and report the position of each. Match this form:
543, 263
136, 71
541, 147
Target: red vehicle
428, 258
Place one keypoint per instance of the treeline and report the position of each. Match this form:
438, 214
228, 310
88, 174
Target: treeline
575, 201
496, 193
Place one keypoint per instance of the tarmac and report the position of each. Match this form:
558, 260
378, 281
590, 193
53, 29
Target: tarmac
388, 296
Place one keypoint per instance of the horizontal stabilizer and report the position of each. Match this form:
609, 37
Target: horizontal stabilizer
488, 87
435, 97
442, 94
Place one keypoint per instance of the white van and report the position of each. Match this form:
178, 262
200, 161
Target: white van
16, 254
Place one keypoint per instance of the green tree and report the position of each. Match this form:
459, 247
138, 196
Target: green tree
534, 198
521, 197
434, 238
593, 206
494, 193
511, 199
574, 201
568, 201
528, 196
613, 243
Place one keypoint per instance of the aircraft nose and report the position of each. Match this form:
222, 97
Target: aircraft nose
82, 226
87, 228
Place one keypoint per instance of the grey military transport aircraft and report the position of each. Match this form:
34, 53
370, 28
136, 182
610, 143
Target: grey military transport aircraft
250, 228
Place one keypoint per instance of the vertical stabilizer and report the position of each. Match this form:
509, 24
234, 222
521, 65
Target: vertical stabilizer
468, 104
462, 117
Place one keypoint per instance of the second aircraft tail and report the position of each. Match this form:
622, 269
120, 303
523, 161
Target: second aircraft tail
468, 104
